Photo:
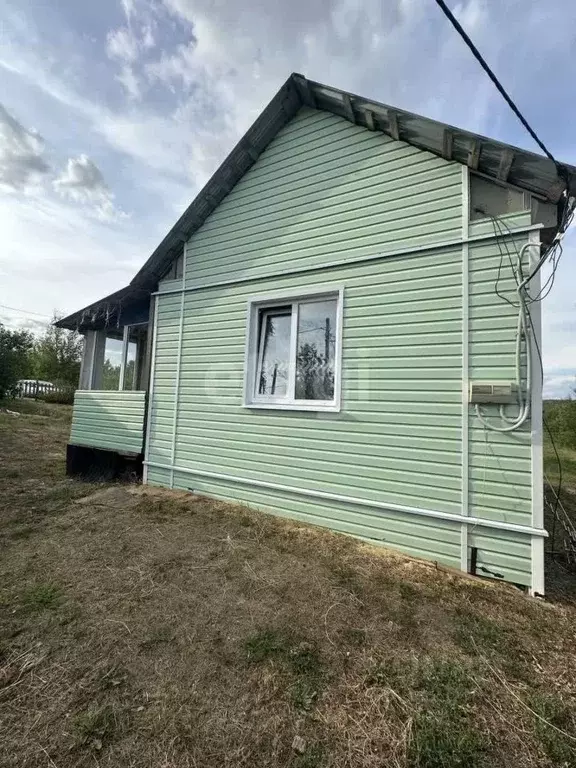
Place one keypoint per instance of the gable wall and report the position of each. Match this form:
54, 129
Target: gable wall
327, 192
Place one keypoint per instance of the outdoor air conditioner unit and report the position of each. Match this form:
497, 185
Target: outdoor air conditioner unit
495, 392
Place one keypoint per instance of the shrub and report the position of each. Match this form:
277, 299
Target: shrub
561, 419
62, 397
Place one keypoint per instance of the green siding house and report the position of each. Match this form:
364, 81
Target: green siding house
333, 332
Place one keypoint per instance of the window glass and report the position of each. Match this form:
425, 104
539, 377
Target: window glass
112, 361
316, 350
130, 369
274, 352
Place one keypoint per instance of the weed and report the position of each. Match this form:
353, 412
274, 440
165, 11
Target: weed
265, 644
391, 673
446, 681
441, 735
93, 726
560, 749
408, 591
158, 636
305, 660
439, 742
355, 636
347, 578
304, 694
42, 596
473, 630
313, 757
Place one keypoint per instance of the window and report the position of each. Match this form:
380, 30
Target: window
293, 351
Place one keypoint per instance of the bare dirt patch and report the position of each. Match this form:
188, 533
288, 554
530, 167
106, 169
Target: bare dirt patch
145, 628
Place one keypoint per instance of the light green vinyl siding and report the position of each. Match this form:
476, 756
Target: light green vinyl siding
500, 468
500, 476
109, 419
326, 190
401, 400
324, 193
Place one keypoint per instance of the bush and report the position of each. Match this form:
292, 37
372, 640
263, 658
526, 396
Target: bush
561, 419
14, 349
62, 397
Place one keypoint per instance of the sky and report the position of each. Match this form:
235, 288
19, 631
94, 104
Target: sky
114, 114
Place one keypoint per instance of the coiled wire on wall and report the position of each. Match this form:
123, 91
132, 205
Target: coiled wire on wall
524, 329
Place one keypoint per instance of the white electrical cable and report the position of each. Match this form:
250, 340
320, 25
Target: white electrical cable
522, 334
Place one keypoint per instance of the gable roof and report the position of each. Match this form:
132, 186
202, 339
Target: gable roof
494, 159
503, 162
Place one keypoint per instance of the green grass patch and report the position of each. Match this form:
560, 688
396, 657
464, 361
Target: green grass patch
42, 596
300, 659
443, 735
93, 727
265, 644
559, 748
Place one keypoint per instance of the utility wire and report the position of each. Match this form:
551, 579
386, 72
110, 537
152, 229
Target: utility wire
457, 26
24, 311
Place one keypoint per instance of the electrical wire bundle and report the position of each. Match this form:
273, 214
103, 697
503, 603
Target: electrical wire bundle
525, 337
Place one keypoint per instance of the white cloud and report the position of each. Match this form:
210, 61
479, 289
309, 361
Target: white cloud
129, 80
22, 164
122, 44
82, 182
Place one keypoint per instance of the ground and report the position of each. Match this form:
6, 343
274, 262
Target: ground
171, 631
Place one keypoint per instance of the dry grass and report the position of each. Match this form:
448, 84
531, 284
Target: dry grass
166, 630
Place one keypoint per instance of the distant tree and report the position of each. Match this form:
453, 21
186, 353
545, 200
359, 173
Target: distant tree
15, 348
314, 377
57, 354
110, 375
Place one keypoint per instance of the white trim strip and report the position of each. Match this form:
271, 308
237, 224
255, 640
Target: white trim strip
150, 392
536, 423
465, 363
409, 250
454, 518
178, 368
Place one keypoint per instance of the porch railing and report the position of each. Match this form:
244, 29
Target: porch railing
109, 419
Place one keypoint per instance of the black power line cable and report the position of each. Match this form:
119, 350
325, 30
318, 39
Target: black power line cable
457, 26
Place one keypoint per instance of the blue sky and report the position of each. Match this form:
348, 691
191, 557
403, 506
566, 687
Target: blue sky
113, 115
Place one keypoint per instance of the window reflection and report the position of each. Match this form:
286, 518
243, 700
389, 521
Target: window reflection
316, 350
274, 352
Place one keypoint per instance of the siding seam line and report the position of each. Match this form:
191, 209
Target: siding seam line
450, 517
465, 367
150, 391
178, 364
408, 250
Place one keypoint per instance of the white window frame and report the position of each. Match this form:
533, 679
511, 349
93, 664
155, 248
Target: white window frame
258, 304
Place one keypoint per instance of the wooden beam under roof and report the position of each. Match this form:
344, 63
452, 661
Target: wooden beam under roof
474, 154
305, 91
393, 125
251, 150
447, 144
370, 124
506, 160
348, 107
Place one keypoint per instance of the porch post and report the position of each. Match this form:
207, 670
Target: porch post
86, 362
125, 338
98, 360
92, 360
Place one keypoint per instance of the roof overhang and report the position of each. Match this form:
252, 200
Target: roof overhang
501, 162
127, 306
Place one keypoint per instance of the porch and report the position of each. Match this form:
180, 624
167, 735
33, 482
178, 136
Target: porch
110, 404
